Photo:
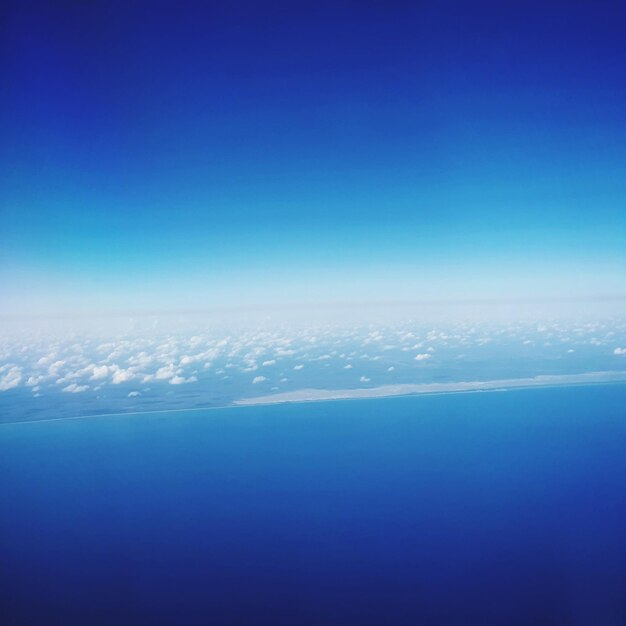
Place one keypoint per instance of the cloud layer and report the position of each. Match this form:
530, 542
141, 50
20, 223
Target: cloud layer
66, 372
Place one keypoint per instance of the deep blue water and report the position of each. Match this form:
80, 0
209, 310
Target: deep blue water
487, 508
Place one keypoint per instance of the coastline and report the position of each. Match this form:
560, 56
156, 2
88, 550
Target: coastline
380, 392
388, 391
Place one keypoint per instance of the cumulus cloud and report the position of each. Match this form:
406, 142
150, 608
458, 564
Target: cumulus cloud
422, 357
258, 379
270, 362
180, 380
620, 351
165, 372
133, 394
298, 367
11, 379
121, 376
74, 388
364, 379
99, 372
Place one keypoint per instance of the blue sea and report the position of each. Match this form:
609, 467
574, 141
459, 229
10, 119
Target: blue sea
498, 508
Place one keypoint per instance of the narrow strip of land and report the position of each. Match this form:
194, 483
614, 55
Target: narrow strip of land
384, 391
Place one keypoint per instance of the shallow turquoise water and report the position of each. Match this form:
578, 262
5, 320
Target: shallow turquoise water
484, 508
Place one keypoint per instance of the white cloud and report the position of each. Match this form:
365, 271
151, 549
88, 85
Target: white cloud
258, 379
298, 367
270, 362
133, 394
364, 379
99, 372
121, 376
422, 357
141, 359
179, 380
165, 372
11, 379
391, 369
53, 370
620, 351
74, 388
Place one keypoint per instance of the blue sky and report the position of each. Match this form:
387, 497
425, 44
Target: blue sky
164, 156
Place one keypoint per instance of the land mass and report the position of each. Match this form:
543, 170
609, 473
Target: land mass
384, 391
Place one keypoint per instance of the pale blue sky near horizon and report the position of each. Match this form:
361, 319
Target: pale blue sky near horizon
157, 159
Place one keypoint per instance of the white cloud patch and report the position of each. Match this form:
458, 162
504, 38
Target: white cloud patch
423, 356
99, 372
620, 351
258, 379
45, 360
122, 376
165, 372
180, 380
53, 370
11, 379
74, 388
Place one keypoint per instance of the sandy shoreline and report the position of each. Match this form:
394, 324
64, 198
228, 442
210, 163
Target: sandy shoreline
385, 391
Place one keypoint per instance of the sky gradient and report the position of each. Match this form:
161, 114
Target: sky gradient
161, 156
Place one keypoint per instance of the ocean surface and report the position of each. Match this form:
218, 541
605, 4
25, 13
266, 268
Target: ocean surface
480, 508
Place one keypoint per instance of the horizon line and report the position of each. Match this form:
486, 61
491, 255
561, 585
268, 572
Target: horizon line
323, 305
